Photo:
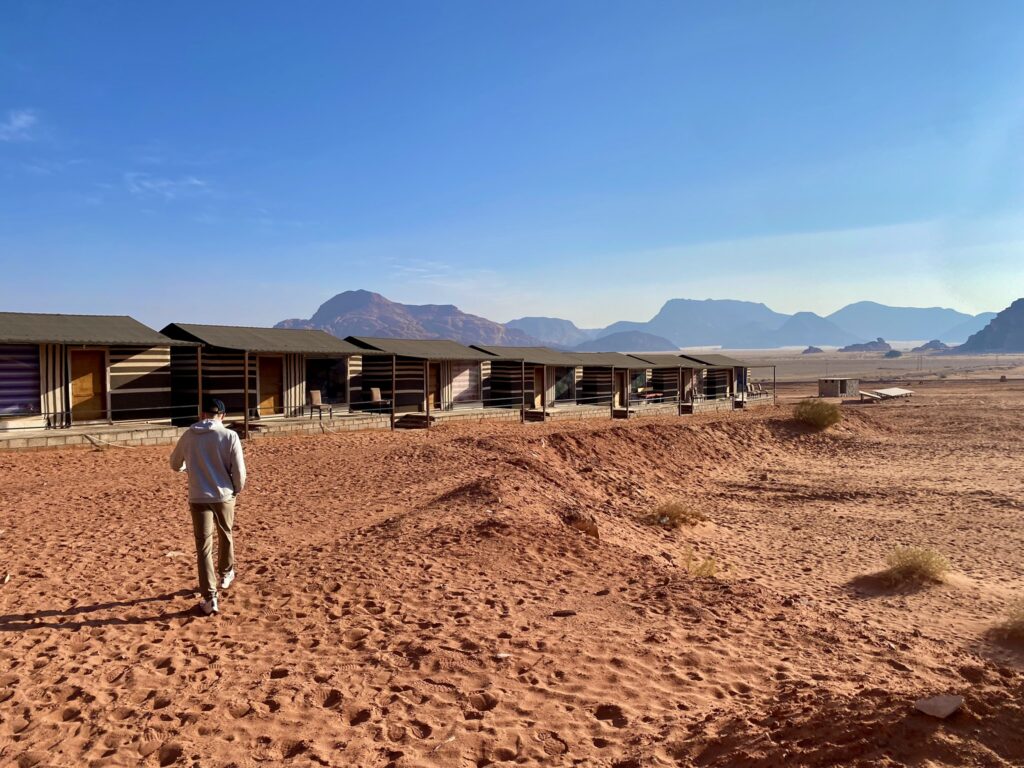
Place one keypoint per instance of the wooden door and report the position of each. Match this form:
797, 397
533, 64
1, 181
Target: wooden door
621, 388
88, 385
538, 387
271, 385
434, 385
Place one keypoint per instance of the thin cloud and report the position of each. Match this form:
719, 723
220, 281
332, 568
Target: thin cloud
145, 185
19, 125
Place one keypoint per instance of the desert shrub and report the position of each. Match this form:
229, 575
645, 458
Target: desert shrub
893, 353
674, 514
698, 567
1013, 627
819, 414
915, 564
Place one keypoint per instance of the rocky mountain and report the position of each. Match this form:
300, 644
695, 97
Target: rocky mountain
552, 330
693, 323
1005, 333
932, 346
960, 333
869, 319
812, 350
801, 328
363, 313
878, 345
627, 341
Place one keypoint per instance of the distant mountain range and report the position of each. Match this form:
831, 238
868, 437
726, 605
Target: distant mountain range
679, 323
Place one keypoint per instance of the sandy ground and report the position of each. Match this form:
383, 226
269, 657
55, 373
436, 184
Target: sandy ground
415, 599
791, 366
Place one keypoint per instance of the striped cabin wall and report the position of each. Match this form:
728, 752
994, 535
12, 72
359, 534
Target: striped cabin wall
462, 379
140, 383
53, 384
596, 386
224, 378
376, 373
355, 378
506, 384
665, 380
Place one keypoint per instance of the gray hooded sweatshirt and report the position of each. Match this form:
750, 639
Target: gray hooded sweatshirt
212, 456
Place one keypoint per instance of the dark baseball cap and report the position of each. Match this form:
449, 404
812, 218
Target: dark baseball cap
213, 405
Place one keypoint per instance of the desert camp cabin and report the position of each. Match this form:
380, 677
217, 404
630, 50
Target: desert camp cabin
274, 368
534, 378
421, 375
63, 370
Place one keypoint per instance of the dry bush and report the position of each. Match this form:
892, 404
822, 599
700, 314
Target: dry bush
1013, 627
674, 514
697, 567
915, 565
819, 414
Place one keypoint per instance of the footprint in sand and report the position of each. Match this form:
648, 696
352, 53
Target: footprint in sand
612, 713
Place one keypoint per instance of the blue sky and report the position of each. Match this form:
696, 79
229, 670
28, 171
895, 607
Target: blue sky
243, 162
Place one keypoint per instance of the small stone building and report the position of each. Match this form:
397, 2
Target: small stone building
838, 387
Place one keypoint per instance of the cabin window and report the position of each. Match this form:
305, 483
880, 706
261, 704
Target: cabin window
329, 376
639, 381
716, 386
565, 383
19, 379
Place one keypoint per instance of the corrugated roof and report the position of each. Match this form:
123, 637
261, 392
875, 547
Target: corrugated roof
281, 340
616, 359
421, 349
534, 355
107, 330
669, 361
717, 361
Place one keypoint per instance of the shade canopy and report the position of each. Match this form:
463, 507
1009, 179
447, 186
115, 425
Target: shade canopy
532, 355
104, 330
275, 340
420, 349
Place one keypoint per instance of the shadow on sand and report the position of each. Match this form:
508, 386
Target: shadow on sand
882, 584
21, 622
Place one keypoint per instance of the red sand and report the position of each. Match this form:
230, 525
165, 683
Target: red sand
397, 593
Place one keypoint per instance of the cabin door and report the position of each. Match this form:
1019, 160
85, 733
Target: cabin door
621, 388
271, 385
434, 385
88, 385
538, 387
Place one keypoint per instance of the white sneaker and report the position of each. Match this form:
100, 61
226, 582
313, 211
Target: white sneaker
209, 607
227, 578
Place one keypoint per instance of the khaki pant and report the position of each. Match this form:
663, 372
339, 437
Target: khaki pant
205, 517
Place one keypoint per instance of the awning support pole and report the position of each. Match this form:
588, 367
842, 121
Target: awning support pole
426, 388
393, 398
245, 418
612, 409
199, 381
522, 392
679, 392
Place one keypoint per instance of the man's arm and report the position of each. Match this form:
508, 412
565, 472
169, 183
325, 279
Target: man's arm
178, 455
237, 464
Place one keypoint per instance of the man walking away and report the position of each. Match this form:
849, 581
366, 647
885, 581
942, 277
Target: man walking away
212, 456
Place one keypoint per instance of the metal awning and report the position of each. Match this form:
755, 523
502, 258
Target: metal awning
267, 340
103, 330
